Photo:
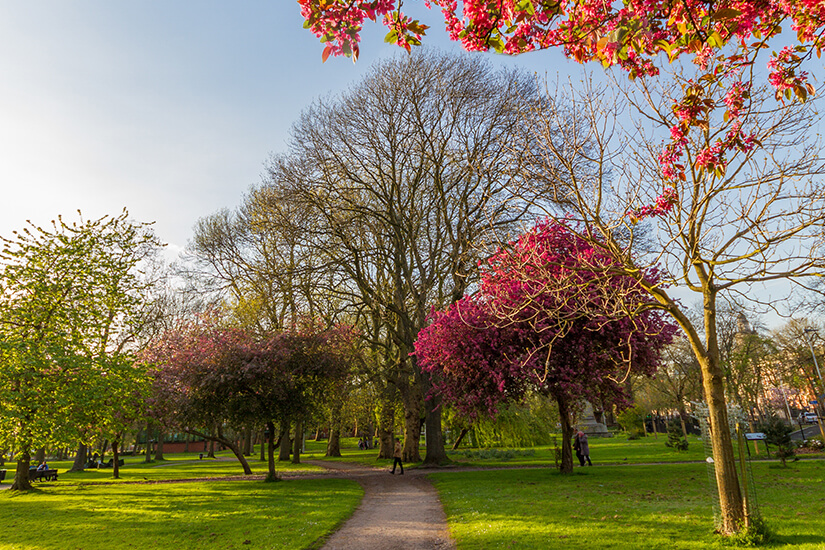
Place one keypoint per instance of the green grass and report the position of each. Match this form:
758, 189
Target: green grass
636, 496
176, 466
622, 507
220, 514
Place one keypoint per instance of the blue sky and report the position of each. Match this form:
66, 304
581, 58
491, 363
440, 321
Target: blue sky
167, 108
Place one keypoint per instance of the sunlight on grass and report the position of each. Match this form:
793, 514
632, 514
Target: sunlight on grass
241, 514
633, 507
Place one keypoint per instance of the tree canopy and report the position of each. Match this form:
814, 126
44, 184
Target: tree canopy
546, 318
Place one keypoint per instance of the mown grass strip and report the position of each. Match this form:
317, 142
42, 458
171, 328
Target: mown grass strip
193, 515
622, 507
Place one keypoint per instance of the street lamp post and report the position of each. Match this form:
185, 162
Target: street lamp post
819, 407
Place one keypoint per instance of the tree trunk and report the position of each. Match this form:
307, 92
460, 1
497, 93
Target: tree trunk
270, 445
104, 448
40, 455
159, 447
186, 443
247, 441
298, 442
283, 452
231, 445
21, 476
386, 425
731, 505
436, 454
566, 466
148, 443
461, 435
80, 459
264, 440
115, 459
682, 416
211, 452
412, 424
334, 441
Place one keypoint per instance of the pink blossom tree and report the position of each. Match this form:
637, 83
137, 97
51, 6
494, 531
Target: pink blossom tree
208, 376
546, 318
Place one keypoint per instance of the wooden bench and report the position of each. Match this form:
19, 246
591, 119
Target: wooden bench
40, 475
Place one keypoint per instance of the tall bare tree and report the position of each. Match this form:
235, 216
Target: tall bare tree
404, 179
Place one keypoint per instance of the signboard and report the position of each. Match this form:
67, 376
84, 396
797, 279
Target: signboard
755, 435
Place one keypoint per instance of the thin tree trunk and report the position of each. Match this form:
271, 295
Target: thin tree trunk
211, 452
264, 440
731, 505
566, 466
247, 441
461, 435
270, 445
115, 459
231, 445
298, 442
148, 443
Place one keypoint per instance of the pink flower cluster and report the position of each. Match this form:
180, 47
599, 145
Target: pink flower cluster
736, 96
664, 204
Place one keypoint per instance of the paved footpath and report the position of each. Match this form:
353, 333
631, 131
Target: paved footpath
398, 512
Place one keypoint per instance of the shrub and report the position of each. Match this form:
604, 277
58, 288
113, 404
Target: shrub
778, 434
632, 420
675, 438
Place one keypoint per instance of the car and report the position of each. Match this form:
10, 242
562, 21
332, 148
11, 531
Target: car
811, 418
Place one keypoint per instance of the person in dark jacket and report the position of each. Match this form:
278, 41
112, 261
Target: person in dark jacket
582, 448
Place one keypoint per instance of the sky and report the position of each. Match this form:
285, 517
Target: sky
163, 107
166, 108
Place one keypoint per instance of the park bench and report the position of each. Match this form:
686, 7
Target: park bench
39, 475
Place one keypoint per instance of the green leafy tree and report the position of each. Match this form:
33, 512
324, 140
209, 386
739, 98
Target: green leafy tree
68, 299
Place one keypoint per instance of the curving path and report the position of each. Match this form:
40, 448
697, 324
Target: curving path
398, 512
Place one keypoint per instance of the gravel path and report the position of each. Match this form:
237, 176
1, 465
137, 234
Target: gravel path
398, 512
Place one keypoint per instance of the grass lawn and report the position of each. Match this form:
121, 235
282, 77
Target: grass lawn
622, 507
176, 466
85, 510
288, 515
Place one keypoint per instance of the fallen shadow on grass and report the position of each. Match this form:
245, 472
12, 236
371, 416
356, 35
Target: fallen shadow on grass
796, 540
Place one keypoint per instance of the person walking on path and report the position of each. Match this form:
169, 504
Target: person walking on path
582, 448
397, 456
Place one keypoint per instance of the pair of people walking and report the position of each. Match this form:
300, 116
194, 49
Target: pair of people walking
582, 448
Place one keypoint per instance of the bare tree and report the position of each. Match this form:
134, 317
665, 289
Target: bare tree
718, 231
404, 180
